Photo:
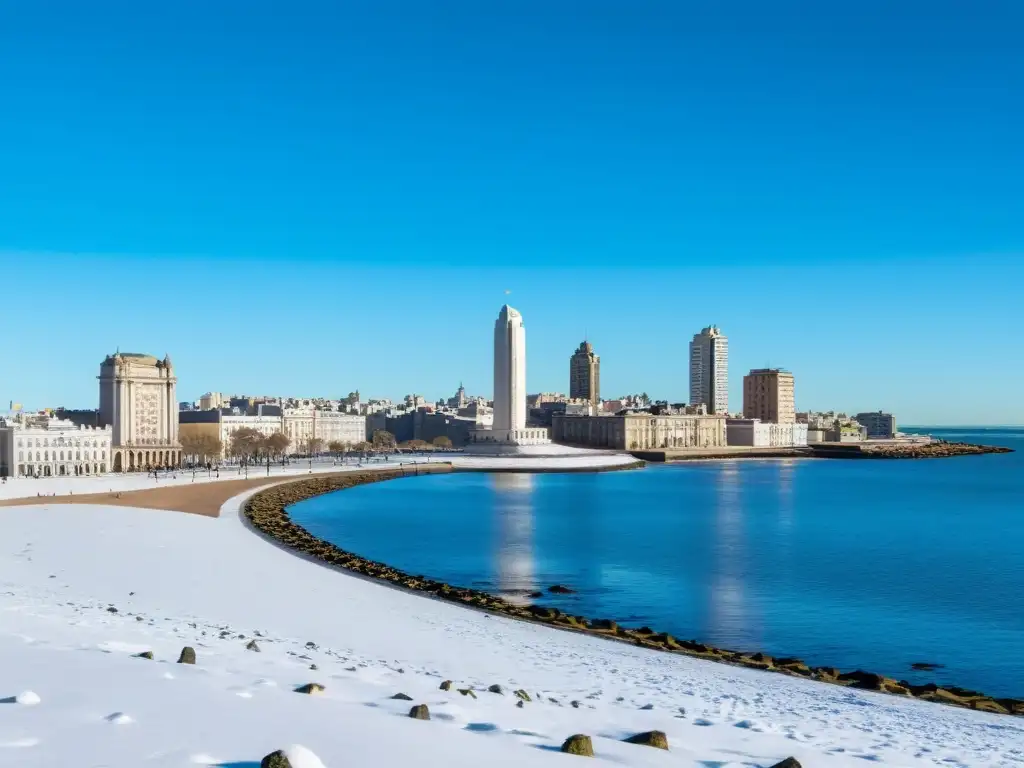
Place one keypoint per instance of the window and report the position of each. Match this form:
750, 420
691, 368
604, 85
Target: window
21, 454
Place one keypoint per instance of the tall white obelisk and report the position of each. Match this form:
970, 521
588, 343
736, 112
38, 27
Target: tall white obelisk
509, 373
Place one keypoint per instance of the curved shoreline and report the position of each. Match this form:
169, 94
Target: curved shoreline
266, 512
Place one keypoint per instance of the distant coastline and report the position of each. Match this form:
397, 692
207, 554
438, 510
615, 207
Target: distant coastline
936, 449
266, 513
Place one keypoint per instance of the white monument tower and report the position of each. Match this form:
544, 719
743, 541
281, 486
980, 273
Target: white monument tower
509, 430
509, 371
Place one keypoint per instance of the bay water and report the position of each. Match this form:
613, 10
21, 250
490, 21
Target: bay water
858, 564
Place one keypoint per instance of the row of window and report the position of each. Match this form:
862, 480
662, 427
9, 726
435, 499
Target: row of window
58, 441
96, 455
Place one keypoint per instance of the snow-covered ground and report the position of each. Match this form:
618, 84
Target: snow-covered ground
16, 488
72, 694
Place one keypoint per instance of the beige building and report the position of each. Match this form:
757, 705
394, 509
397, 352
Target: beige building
210, 401
585, 374
640, 431
138, 403
768, 396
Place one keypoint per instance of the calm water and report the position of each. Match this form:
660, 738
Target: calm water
856, 564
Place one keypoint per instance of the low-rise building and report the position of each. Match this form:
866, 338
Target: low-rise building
43, 446
640, 431
879, 426
301, 425
754, 433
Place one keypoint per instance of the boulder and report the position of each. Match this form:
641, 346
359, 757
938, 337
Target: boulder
311, 688
276, 759
145, 655
520, 704
496, 689
188, 655
789, 762
558, 589
604, 625
543, 612
925, 666
402, 697
536, 595
649, 739
446, 685
419, 712
578, 744
252, 646
989, 705
869, 681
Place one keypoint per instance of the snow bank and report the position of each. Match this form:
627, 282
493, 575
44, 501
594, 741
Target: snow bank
83, 587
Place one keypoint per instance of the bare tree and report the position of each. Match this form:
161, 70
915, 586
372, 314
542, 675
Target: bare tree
277, 444
335, 447
442, 441
383, 440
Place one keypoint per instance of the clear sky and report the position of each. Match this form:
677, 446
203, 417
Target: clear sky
313, 197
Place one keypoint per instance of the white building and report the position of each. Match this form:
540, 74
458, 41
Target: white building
510, 386
709, 370
45, 447
231, 423
138, 403
755, 433
302, 424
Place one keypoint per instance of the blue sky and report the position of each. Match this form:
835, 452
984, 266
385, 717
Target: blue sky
308, 198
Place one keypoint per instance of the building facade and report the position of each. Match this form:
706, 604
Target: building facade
754, 433
138, 403
879, 426
48, 447
709, 370
585, 374
301, 425
639, 431
211, 400
768, 395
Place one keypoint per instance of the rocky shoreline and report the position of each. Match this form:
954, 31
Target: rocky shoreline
935, 450
266, 512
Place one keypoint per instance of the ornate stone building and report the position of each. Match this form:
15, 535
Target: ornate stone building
138, 402
640, 431
42, 446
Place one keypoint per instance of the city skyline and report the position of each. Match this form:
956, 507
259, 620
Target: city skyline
342, 205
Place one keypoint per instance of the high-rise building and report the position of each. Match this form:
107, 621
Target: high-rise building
768, 396
137, 400
509, 371
585, 374
880, 426
709, 370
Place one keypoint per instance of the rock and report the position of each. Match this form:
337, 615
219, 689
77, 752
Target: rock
535, 595
645, 631
276, 759
496, 689
522, 695
647, 707
520, 704
111, 609
311, 688
604, 625
314, 667
252, 646
869, 681
649, 739
925, 666
145, 655
188, 655
139, 618
989, 705
558, 589
578, 744
419, 712
446, 685
574, 704
402, 697
467, 692
789, 762
542, 612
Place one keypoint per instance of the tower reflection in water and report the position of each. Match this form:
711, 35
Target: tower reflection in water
727, 614
513, 516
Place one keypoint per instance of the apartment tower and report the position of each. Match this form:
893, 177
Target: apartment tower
709, 370
768, 396
585, 374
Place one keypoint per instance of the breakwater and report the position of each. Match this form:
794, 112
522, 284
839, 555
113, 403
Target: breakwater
267, 512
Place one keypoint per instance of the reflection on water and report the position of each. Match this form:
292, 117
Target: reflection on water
727, 611
513, 519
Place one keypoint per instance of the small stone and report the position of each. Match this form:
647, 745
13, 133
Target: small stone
647, 707
276, 759
139, 618
649, 739
311, 688
467, 692
520, 704
446, 685
419, 712
578, 744
789, 762
252, 646
314, 667
188, 655
574, 704
496, 689
145, 655
522, 695
402, 697
111, 609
